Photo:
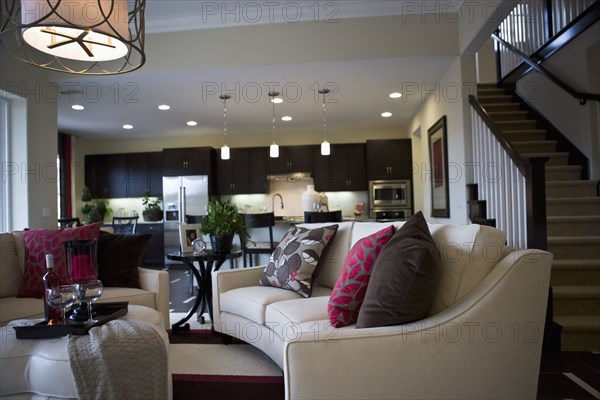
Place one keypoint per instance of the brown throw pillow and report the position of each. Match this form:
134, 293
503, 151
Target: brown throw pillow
404, 278
119, 257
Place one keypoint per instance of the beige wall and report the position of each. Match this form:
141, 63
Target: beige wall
33, 138
451, 101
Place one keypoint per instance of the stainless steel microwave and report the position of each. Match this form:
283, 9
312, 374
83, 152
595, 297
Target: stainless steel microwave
389, 194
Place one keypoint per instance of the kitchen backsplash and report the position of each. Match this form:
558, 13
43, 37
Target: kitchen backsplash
292, 199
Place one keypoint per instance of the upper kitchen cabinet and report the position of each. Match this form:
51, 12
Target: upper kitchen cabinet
106, 175
389, 159
124, 175
188, 161
144, 174
342, 170
244, 173
291, 159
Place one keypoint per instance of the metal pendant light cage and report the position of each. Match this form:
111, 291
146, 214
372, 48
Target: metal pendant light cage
85, 37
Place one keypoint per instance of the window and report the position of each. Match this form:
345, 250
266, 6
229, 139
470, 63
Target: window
4, 181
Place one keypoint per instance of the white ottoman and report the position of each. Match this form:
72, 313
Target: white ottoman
38, 369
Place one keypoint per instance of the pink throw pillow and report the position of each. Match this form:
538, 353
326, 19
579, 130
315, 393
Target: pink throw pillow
38, 243
349, 290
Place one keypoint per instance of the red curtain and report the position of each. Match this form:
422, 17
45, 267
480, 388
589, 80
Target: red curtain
64, 155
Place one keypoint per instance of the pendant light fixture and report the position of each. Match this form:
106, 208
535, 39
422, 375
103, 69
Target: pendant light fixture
274, 149
224, 148
325, 147
86, 37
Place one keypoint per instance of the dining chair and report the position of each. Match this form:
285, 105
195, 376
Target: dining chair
125, 225
250, 247
68, 222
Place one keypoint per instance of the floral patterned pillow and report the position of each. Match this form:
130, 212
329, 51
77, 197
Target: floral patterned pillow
295, 259
349, 290
39, 242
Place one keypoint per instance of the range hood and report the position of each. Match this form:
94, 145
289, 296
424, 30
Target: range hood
291, 177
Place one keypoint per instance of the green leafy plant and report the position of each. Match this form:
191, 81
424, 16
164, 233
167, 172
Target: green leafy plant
223, 219
152, 210
94, 210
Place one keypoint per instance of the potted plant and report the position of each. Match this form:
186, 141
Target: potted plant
94, 210
222, 223
152, 211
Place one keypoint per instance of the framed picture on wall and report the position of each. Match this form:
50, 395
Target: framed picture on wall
438, 158
187, 234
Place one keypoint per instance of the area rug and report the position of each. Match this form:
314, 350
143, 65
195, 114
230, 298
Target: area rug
203, 367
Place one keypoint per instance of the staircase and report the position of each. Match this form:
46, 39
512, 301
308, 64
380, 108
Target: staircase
573, 222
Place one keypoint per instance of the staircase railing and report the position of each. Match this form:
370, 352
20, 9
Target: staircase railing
535, 30
514, 188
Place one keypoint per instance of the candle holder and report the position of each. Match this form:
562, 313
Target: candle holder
82, 269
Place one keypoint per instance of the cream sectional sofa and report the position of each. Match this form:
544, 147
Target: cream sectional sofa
154, 292
482, 340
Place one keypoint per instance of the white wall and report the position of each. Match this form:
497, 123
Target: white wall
34, 145
452, 101
580, 124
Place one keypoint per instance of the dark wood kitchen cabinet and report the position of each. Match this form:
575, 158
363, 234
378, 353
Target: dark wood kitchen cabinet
389, 159
154, 255
124, 175
244, 173
342, 170
144, 174
188, 161
291, 159
106, 175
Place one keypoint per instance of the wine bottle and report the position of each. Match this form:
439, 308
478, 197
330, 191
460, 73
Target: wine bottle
51, 279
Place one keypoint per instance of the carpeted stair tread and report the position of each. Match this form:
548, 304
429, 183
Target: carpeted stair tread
555, 158
573, 218
575, 225
574, 240
590, 323
504, 115
576, 292
563, 168
570, 200
573, 183
576, 264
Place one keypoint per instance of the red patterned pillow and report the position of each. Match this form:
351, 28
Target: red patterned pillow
39, 242
349, 290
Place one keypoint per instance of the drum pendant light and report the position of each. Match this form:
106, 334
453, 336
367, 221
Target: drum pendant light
86, 37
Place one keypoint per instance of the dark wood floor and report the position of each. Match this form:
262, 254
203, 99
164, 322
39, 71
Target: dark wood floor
565, 375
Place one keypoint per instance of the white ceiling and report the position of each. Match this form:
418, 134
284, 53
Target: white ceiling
362, 49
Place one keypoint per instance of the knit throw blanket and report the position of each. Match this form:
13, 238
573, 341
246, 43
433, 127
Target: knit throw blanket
119, 360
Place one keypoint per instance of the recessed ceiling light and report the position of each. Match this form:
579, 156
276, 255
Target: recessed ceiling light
386, 114
277, 100
395, 95
286, 118
192, 123
127, 126
164, 107
77, 107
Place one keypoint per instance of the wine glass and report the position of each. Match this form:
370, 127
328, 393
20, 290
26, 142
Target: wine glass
62, 297
89, 292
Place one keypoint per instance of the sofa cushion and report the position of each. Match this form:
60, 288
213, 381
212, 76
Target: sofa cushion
333, 258
139, 297
119, 257
251, 302
296, 257
12, 308
349, 290
284, 317
364, 229
9, 266
39, 242
468, 254
404, 279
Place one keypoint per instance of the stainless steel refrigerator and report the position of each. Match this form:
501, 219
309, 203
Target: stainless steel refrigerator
182, 195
